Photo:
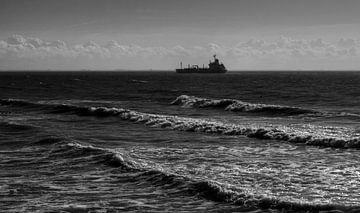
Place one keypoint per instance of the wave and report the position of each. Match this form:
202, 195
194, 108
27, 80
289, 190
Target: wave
18, 102
13, 126
136, 81
105, 156
267, 109
239, 106
217, 192
205, 189
208, 126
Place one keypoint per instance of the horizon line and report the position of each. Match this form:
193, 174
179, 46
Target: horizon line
168, 70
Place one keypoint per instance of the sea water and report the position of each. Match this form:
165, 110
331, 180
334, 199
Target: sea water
166, 142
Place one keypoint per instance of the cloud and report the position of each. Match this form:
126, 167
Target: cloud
347, 43
287, 47
16, 40
20, 52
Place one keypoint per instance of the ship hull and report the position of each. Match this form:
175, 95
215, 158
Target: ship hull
200, 71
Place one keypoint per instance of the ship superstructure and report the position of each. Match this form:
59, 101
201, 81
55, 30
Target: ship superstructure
214, 67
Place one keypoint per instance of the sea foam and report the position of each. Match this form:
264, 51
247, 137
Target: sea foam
239, 106
209, 126
186, 186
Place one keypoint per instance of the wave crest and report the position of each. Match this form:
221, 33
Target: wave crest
239, 106
179, 184
97, 155
210, 190
200, 125
208, 126
217, 192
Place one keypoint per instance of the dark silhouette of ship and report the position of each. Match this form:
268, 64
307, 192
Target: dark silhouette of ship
214, 67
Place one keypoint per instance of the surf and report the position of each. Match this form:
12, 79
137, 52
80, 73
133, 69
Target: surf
239, 106
280, 133
133, 171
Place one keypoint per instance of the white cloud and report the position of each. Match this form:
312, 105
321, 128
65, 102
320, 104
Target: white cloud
283, 53
287, 47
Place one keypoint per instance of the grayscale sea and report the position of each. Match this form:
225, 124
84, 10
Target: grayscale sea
166, 142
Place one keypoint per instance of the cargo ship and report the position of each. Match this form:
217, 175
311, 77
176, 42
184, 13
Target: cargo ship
214, 67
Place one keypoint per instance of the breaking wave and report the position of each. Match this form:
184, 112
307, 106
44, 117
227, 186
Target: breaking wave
100, 155
239, 106
206, 189
207, 126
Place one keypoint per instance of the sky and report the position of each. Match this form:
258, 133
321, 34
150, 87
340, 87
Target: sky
158, 34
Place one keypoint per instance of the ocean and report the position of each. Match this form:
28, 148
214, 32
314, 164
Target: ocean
167, 142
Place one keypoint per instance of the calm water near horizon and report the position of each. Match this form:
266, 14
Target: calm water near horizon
166, 142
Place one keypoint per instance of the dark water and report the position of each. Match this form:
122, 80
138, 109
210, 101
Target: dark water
166, 142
